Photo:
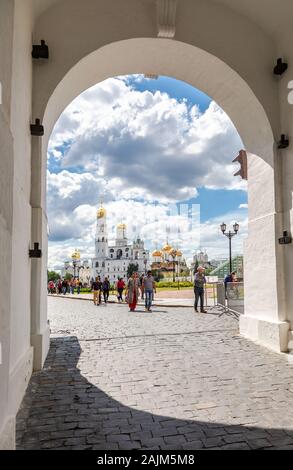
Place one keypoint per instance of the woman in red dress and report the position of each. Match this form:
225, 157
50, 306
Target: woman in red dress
132, 291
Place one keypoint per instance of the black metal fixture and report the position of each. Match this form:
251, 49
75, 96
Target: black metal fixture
230, 235
284, 142
36, 252
281, 67
40, 51
285, 239
37, 128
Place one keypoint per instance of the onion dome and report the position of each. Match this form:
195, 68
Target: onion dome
179, 253
101, 212
157, 254
121, 226
75, 255
167, 248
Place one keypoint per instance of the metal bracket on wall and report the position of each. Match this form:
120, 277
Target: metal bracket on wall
36, 252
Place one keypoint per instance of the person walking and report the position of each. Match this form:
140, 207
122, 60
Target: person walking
72, 286
120, 289
64, 286
141, 285
199, 283
59, 286
133, 291
106, 289
96, 288
149, 287
229, 279
79, 286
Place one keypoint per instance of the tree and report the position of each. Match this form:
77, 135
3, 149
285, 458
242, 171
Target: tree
68, 277
132, 268
53, 276
157, 275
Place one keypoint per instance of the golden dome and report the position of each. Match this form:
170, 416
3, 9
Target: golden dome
121, 226
167, 248
157, 254
179, 253
75, 255
101, 212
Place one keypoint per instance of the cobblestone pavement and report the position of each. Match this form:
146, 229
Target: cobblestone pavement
171, 379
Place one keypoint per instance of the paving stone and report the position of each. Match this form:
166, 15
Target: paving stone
170, 380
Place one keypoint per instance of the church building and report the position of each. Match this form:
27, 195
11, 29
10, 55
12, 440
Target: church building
113, 260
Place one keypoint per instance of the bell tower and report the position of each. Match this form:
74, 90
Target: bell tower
101, 241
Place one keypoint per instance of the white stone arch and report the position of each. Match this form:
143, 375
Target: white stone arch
265, 317
175, 59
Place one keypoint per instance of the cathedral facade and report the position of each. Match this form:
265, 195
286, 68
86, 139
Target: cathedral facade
112, 261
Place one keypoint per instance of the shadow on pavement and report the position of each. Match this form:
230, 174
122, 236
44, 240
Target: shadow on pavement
63, 410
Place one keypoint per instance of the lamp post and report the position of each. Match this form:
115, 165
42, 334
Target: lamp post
145, 262
74, 263
230, 235
78, 269
173, 253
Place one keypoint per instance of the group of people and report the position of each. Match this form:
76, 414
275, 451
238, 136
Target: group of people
64, 286
100, 287
143, 286
146, 285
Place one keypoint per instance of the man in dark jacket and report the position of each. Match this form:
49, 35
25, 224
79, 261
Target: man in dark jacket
199, 282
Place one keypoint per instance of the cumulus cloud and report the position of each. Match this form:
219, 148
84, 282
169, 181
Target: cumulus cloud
151, 142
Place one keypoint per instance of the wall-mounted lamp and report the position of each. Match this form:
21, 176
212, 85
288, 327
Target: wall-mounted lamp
37, 128
281, 67
36, 252
40, 51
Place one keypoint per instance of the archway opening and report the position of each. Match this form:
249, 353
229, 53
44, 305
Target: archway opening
140, 175
263, 312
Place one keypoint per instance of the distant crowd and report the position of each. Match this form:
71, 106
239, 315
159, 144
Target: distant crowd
136, 286
64, 286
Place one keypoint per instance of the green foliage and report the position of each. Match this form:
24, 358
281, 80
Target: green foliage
173, 285
157, 275
68, 277
132, 268
53, 276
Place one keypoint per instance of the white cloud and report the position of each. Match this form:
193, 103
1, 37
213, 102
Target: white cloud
151, 142
243, 206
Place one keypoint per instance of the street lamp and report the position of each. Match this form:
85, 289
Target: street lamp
74, 263
230, 235
173, 253
145, 262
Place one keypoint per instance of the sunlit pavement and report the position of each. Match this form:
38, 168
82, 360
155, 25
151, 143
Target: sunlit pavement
169, 379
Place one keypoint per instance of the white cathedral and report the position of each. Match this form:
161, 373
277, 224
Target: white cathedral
113, 260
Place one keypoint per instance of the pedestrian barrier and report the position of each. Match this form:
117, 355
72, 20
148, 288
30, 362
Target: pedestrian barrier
231, 297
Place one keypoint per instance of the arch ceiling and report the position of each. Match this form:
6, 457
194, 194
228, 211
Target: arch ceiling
270, 15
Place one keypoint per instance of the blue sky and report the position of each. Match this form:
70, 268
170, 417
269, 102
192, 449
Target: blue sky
143, 145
